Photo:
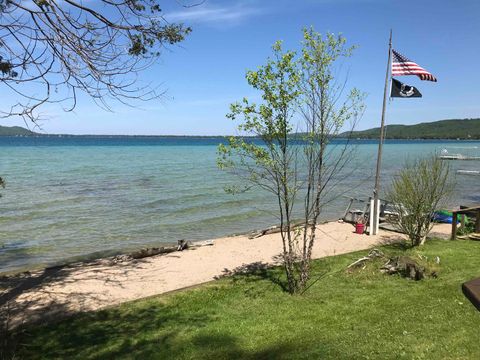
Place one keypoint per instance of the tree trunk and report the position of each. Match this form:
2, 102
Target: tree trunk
422, 240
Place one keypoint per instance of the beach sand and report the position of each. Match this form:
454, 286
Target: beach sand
55, 292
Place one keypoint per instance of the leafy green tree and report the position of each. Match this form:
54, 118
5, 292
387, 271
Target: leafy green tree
417, 191
296, 168
270, 165
326, 108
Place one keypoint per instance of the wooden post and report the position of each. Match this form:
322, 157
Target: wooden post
454, 226
477, 222
375, 210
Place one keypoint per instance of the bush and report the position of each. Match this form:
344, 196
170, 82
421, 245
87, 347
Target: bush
417, 190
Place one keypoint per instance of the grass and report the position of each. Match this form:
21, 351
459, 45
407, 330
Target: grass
363, 315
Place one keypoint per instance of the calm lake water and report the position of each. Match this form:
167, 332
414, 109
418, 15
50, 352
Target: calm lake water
81, 197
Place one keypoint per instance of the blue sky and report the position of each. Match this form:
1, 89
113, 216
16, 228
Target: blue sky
206, 73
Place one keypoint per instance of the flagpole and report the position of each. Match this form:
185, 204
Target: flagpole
376, 212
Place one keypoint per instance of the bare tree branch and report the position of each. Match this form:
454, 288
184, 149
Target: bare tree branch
51, 50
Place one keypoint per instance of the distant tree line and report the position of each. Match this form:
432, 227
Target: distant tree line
444, 129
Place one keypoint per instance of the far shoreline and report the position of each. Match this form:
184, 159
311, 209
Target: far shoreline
222, 137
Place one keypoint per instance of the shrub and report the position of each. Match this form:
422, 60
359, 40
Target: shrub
417, 190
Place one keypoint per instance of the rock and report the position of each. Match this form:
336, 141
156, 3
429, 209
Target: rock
182, 245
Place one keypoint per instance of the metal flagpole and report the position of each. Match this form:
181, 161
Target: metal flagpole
376, 212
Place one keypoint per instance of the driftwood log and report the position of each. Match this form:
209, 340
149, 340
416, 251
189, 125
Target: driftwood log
147, 252
143, 253
274, 229
374, 253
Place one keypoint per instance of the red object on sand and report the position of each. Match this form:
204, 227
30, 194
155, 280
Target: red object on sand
359, 228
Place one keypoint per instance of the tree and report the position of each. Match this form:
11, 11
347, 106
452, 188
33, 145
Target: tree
417, 190
326, 108
295, 167
52, 50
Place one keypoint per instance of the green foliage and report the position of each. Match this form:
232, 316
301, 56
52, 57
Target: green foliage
365, 315
324, 111
467, 229
442, 129
142, 43
6, 67
15, 131
277, 82
272, 164
419, 189
294, 87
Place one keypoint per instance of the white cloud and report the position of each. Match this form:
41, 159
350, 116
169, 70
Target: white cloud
212, 14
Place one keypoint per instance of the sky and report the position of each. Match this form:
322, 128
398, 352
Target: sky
204, 74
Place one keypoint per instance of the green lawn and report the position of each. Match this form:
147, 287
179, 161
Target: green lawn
342, 316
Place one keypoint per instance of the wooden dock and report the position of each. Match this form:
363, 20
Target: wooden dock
459, 157
468, 172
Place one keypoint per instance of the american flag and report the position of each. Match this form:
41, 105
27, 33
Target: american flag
403, 66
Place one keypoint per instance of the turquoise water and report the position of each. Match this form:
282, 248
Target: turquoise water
71, 197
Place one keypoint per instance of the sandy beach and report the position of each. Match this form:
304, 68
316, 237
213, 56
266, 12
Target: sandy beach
98, 284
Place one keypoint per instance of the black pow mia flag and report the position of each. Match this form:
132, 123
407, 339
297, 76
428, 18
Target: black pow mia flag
402, 90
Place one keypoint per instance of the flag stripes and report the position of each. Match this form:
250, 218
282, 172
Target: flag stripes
403, 66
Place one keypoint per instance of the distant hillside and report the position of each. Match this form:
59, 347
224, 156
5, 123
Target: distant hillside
443, 129
15, 131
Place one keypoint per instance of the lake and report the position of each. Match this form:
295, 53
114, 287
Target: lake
78, 197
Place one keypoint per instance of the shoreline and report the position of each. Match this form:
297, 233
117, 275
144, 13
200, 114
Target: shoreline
62, 291
96, 256
225, 137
